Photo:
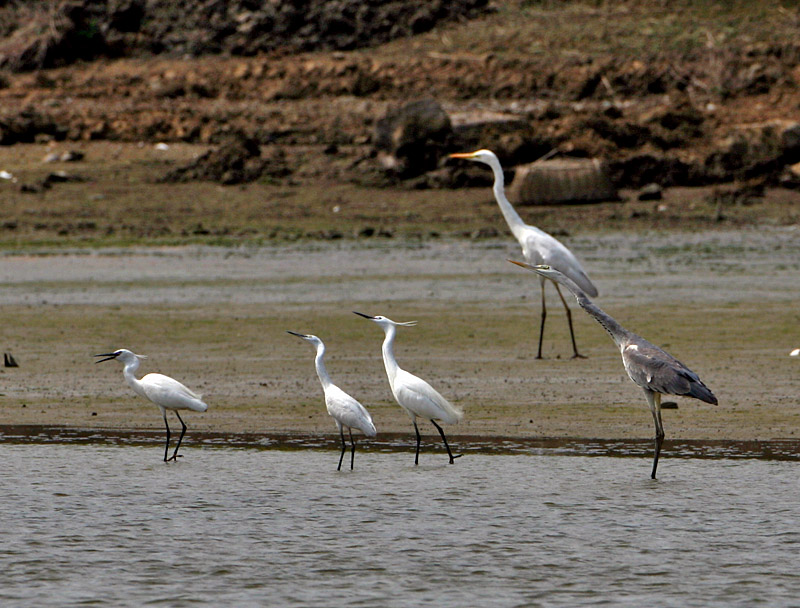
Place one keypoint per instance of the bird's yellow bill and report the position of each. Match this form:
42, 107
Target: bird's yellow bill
530, 266
462, 155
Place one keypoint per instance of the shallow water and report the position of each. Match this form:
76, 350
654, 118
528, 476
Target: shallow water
96, 524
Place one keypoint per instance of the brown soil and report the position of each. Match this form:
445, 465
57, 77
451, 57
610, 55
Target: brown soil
698, 96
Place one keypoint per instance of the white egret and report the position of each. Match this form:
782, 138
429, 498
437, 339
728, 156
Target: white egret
413, 394
344, 409
795, 352
653, 369
167, 393
538, 247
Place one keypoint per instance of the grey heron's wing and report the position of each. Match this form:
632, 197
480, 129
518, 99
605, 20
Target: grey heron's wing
654, 369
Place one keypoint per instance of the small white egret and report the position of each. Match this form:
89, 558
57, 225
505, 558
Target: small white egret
344, 409
538, 247
795, 352
649, 367
167, 393
413, 394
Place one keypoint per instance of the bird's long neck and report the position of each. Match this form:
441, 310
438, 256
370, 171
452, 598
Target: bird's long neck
389, 362
619, 334
129, 371
510, 214
319, 362
614, 329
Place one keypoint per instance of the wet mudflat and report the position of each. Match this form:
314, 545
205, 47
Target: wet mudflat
98, 525
724, 302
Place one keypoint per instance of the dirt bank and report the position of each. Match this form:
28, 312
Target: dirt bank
682, 94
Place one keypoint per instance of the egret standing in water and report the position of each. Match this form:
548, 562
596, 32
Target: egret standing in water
413, 394
653, 369
346, 411
167, 393
538, 247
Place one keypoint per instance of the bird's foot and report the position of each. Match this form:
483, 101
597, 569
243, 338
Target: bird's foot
452, 458
579, 356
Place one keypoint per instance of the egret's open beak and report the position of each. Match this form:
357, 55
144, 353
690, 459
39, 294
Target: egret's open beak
108, 357
294, 333
462, 155
361, 314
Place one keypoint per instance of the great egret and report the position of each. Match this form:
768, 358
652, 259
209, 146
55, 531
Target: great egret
345, 411
538, 247
167, 393
413, 394
653, 369
795, 352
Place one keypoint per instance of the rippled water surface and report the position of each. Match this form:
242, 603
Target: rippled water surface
105, 525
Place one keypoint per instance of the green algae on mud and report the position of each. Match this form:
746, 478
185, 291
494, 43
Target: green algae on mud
122, 204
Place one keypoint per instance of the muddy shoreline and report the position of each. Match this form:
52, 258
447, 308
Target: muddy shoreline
774, 450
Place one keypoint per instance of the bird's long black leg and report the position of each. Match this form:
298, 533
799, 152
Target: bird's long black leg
183, 432
449, 453
416, 456
654, 401
166, 446
352, 448
344, 448
575, 353
541, 327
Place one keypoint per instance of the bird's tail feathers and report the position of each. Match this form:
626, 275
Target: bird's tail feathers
199, 405
702, 392
453, 414
584, 282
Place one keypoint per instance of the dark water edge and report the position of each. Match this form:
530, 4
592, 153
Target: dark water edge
772, 449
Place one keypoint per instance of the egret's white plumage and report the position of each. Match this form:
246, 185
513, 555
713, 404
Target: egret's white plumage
344, 409
167, 393
538, 247
413, 394
795, 352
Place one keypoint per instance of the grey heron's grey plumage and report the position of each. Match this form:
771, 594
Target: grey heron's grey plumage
648, 366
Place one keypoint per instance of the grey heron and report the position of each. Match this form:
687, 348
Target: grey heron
648, 366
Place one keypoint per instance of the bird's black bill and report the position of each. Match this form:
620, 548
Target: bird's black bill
361, 314
294, 333
108, 357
